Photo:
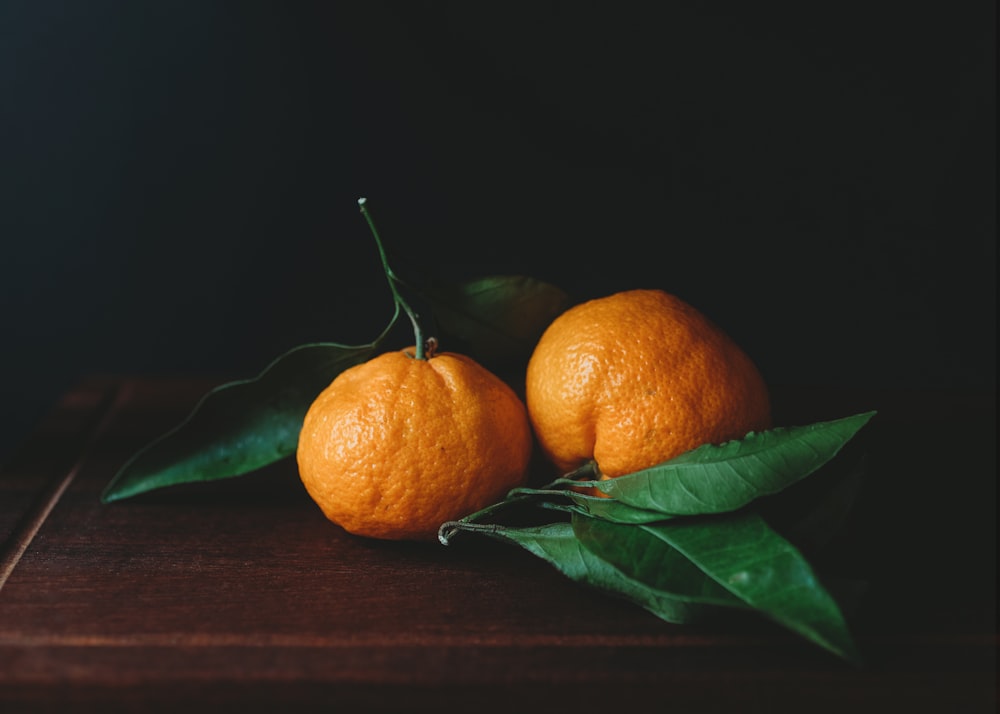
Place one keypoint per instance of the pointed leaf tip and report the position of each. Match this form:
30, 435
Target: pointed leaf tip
726, 477
240, 426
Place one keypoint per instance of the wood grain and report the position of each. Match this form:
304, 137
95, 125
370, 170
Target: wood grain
46, 464
239, 593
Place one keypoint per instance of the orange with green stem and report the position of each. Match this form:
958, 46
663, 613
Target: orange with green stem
396, 446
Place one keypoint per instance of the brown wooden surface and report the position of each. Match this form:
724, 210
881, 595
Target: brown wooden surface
238, 592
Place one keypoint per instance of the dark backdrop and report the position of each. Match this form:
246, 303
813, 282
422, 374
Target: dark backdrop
178, 179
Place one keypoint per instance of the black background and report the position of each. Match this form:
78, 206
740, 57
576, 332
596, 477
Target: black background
178, 180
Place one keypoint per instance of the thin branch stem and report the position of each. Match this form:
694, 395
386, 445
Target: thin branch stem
390, 276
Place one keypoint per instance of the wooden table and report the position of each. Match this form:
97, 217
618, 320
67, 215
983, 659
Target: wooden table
239, 592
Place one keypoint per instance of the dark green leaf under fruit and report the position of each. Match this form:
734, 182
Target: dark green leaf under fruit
642, 556
557, 544
497, 319
240, 426
750, 560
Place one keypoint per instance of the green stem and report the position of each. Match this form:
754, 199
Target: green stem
482, 513
515, 496
586, 472
418, 332
449, 530
559, 492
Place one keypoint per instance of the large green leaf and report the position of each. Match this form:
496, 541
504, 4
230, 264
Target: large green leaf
240, 426
557, 544
715, 479
496, 319
750, 560
643, 557
686, 569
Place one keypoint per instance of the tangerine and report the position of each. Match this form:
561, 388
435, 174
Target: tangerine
635, 378
396, 446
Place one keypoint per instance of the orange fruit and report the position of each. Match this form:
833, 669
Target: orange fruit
396, 446
636, 378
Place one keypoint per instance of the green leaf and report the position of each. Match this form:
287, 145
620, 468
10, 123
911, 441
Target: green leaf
750, 560
240, 426
686, 569
495, 319
557, 544
643, 557
716, 479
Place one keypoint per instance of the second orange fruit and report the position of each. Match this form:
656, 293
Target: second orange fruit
636, 378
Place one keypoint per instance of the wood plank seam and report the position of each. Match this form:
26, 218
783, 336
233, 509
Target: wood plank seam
34, 518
